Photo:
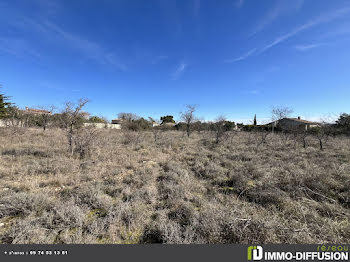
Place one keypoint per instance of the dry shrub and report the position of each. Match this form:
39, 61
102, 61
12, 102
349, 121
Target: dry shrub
23, 204
132, 137
84, 140
129, 189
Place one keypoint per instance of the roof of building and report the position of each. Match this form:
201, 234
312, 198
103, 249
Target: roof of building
36, 111
117, 121
302, 121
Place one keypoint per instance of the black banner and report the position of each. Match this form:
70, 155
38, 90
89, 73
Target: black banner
174, 252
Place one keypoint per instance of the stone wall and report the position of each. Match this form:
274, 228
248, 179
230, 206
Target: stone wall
102, 125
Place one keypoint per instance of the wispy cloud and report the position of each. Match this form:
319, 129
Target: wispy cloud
272, 15
47, 85
306, 47
320, 20
254, 92
90, 49
158, 59
239, 3
242, 57
273, 69
111, 59
48, 7
196, 7
172, 17
18, 47
279, 9
179, 71
52, 32
47, 33
326, 18
344, 29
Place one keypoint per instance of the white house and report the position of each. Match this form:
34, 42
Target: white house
103, 125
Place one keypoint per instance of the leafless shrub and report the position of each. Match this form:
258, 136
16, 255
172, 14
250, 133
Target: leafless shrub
189, 118
178, 190
303, 135
14, 122
129, 117
84, 140
278, 113
132, 137
322, 133
71, 118
219, 128
262, 135
156, 131
45, 118
18, 204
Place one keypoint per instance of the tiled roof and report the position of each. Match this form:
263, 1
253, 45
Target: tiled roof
37, 111
296, 120
302, 121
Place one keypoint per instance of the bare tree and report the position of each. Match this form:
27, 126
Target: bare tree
279, 113
263, 135
14, 120
13, 117
128, 116
157, 130
84, 140
298, 132
188, 117
304, 134
322, 133
46, 116
71, 117
219, 128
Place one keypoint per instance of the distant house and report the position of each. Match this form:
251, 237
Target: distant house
117, 121
115, 124
103, 125
239, 126
36, 111
293, 123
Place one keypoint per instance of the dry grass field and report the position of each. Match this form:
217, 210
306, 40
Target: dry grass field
133, 189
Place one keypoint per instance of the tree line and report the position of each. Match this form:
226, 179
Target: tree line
72, 117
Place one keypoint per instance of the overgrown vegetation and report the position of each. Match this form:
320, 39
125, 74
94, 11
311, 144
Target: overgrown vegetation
4, 104
146, 184
170, 188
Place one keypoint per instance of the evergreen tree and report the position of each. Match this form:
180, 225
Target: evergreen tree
4, 104
343, 123
97, 119
167, 119
255, 120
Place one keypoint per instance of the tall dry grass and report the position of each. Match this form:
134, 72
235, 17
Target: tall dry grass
133, 188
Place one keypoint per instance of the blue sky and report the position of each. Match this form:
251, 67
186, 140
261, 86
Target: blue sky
230, 57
